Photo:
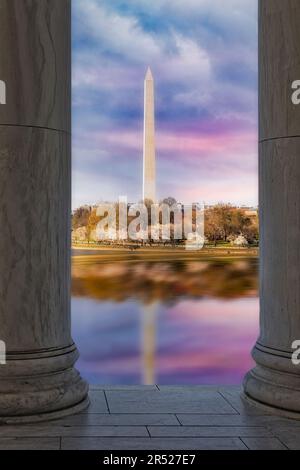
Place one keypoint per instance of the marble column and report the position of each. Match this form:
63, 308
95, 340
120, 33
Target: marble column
38, 381
274, 383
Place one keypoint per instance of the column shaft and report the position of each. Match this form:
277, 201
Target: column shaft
275, 382
38, 381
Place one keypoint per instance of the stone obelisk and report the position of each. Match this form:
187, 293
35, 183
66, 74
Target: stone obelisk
149, 170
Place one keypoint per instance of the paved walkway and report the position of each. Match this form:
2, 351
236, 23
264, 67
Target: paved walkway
159, 417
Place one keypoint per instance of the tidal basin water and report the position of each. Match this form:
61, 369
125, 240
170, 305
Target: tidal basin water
166, 322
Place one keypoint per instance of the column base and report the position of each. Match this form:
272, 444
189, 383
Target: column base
38, 418
40, 386
270, 410
273, 385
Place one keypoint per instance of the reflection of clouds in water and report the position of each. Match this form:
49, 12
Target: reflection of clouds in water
107, 335
170, 322
208, 341
204, 341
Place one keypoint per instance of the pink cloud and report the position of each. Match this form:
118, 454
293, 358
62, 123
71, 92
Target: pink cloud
218, 142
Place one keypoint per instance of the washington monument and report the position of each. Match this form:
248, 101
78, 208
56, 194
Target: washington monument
149, 171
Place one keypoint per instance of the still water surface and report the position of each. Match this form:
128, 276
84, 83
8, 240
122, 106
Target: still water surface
168, 322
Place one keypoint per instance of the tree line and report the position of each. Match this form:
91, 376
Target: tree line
224, 223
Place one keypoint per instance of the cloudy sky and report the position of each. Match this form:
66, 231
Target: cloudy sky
203, 55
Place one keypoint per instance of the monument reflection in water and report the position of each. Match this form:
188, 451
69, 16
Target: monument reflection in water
173, 322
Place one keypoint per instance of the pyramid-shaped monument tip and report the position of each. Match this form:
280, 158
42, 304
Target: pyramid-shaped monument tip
149, 75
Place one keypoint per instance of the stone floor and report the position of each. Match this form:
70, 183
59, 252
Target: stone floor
159, 417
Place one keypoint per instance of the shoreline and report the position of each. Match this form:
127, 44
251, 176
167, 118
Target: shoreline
104, 253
